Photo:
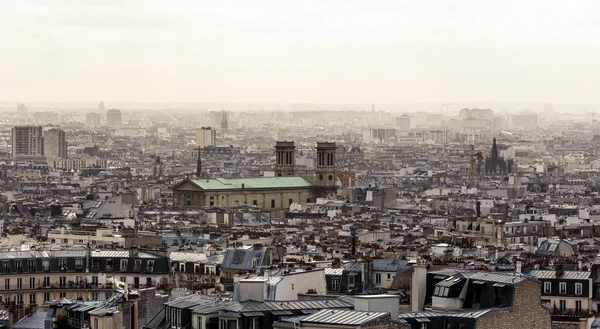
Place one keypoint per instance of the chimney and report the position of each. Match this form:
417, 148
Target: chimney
353, 229
559, 270
419, 286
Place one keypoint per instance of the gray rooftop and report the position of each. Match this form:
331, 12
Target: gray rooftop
343, 317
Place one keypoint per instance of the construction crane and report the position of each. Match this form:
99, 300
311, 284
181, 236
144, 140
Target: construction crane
474, 155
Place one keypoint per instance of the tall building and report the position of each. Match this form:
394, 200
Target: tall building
101, 107
224, 123
403, 122
113, 117
27, 141
206, 136
93, 119
55, 144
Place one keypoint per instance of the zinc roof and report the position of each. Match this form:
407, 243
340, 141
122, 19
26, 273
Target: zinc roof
252, 183
32, 321
121, 254
343, 317
435, 314
567, 275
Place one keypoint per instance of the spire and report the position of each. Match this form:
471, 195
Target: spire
199, 164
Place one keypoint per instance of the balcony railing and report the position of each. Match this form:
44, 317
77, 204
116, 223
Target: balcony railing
55, 285
570, 312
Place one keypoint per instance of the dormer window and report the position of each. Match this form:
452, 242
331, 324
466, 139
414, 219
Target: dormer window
150, 266
562, 288
123, 265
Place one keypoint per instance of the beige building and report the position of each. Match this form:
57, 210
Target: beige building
55, 144
206, 136
263, 192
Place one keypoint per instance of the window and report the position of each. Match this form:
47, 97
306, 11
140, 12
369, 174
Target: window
31, 283
335, 284
272, 203
255, 202
63, 281
62, 264
109, 264
150, 265
46, 297
547, 287
351, 280
182, 267
6, 284
254, 323
562, 304
378, 278
123, 265
578, 289
95, 280
96, 325
31, 266
423, 326
577, 306
562, 288
6, 267
20, 298
19, 283
46, 265
19, 266
389, 276
290, 201
62, 295
94, 295
46, 281
482, 229
79, 264
31, 298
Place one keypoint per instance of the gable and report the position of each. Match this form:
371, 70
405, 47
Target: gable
187, 185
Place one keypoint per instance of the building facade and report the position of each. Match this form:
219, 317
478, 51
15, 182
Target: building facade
55, 143
27, 141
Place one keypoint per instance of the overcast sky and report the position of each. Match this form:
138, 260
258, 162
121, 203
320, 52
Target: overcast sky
300, 51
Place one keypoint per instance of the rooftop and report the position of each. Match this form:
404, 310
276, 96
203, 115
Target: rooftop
252, 183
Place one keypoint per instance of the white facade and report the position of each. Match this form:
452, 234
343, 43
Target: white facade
206, 136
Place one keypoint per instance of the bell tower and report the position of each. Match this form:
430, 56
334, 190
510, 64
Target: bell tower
325, 166
285, 159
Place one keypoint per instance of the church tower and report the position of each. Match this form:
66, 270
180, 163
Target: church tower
199, 164
325, 166
285, 159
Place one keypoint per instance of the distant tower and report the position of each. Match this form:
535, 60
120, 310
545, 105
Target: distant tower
101, 107
199, 164
325, 168
158, 167
224, 123
285, 158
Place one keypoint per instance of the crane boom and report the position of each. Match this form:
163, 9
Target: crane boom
474, 156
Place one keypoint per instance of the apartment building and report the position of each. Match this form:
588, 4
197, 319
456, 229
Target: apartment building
32, 278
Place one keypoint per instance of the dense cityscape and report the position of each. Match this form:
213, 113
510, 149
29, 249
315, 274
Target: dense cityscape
466, 218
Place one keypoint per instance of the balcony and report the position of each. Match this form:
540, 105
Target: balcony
569, 314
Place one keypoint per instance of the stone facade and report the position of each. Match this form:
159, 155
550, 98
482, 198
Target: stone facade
526, 311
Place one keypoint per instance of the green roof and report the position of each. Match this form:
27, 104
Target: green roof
252, 183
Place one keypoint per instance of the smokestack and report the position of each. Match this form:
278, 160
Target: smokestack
419, 287
478, 209
353, 229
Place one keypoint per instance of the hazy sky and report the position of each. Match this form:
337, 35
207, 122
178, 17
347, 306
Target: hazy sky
300, 51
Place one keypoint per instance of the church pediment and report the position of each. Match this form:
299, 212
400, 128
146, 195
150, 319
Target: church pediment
188, 185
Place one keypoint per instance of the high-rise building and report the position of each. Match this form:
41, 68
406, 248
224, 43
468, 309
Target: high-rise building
113, 117
27, 141
206, 136
93, 119
101, 107
55, 144
403, 122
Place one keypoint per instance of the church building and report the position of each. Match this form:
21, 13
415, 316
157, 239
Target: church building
264, 192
